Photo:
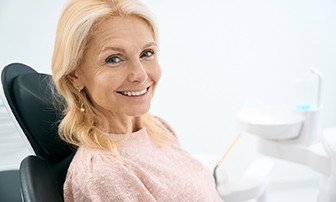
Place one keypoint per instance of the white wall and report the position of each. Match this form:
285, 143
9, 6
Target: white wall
217, 56
220, 56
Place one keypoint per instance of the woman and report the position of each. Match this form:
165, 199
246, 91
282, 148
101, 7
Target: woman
105, 65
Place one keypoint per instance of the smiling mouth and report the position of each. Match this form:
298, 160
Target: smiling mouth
134, 93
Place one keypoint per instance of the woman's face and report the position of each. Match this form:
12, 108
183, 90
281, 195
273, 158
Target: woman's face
120, 70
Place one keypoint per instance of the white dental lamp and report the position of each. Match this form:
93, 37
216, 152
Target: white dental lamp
296, 136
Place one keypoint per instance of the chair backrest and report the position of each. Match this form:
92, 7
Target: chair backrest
30, 96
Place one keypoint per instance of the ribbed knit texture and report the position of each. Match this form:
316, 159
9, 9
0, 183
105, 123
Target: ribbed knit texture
147, 172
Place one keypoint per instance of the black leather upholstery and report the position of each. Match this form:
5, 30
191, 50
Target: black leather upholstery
9, 186
42, 180
29, 95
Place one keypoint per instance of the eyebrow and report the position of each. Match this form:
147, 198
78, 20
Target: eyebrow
123, 50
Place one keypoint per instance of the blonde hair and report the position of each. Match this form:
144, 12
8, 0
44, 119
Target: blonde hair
76, 27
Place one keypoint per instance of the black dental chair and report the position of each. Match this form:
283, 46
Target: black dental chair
10, 186
29, 97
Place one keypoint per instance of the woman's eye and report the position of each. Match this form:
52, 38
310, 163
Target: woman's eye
113, 59
147, 53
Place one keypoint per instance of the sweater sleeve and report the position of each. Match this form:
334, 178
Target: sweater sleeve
104, 182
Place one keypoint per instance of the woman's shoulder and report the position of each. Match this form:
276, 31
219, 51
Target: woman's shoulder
89, 160
94, 175
91, 166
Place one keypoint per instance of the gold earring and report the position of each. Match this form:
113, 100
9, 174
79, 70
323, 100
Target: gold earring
81, 109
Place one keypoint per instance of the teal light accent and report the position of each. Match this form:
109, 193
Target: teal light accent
303, 107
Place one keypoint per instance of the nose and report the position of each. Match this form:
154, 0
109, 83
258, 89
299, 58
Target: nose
137, 72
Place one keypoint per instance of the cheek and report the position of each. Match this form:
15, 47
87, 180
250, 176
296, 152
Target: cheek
102, 86
156, 75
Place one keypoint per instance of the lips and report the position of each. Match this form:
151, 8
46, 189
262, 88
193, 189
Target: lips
134, 93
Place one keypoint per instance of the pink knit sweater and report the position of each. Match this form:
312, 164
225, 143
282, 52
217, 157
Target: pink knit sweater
148, 172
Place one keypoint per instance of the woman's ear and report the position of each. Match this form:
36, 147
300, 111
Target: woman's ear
75, 79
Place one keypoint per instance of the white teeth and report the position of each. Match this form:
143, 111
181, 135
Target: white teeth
137, 93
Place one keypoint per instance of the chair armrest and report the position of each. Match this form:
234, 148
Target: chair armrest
37, 184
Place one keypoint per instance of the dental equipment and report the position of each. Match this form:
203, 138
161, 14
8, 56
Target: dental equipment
319, 76
296, 136
227, 151
251, 185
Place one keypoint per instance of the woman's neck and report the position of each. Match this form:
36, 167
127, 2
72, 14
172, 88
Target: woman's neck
126, 125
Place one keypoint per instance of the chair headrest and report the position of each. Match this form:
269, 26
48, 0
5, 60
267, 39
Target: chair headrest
37, 112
